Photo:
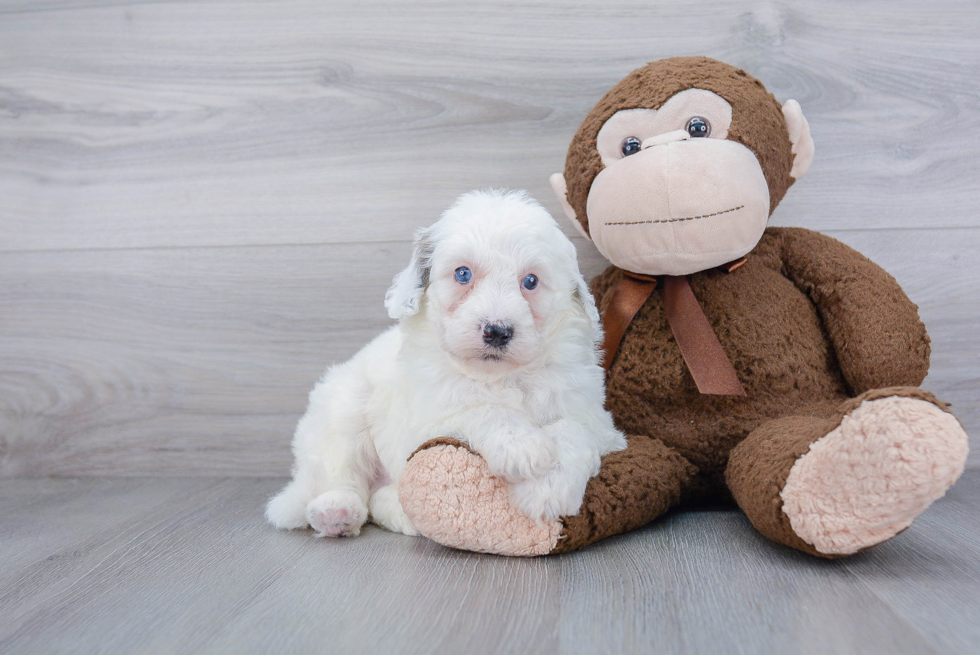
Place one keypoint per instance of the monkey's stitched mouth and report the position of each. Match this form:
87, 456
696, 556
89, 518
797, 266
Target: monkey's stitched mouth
679, 220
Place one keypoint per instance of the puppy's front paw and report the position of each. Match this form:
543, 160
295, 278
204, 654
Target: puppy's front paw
522, 454
555, 494
337, 514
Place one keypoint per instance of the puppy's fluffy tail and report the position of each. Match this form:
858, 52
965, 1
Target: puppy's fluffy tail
287, 509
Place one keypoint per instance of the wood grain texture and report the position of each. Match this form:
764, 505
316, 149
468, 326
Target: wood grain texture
189, 566
140, 125
201, 204
198, 361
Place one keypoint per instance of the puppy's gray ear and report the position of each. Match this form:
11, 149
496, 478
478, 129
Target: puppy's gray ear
584, 296
405, 295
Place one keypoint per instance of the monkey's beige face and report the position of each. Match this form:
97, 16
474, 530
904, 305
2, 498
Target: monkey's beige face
675, 196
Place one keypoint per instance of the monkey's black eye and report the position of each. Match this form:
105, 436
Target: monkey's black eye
698, 126
631, 146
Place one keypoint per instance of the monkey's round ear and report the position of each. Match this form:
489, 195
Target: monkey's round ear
405, 295
799, 136
561, 190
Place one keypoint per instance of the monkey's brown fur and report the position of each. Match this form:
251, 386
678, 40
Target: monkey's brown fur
805, 337
808, 323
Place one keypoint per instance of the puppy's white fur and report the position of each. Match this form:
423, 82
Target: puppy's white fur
533, 409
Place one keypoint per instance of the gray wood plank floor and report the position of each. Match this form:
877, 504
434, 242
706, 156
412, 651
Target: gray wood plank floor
201, 203
188, 565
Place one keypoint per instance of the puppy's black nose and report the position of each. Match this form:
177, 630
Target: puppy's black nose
497, 334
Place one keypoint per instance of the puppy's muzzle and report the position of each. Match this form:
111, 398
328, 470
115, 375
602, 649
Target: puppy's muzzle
497, 335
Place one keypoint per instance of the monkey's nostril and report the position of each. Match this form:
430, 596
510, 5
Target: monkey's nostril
497, 335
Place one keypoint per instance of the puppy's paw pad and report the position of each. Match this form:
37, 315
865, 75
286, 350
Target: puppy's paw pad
336, 514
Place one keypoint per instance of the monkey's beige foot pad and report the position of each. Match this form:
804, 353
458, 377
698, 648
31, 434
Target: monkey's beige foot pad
869, 478
450, 496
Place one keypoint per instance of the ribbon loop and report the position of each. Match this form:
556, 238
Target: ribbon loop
710, 367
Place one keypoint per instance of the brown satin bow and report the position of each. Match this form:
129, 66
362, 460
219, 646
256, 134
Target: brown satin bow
705, 358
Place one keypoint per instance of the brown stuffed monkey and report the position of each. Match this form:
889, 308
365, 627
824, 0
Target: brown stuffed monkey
773, 367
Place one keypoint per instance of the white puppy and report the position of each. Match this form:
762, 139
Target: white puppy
495, 346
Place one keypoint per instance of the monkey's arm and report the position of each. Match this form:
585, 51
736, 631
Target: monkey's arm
875, 328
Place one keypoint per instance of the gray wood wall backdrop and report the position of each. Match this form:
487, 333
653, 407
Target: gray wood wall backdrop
201, 204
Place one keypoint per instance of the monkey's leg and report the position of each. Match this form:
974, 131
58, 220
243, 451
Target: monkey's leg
449, 495
834, 486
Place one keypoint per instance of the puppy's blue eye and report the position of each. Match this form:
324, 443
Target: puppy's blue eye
463, 275
530, 281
